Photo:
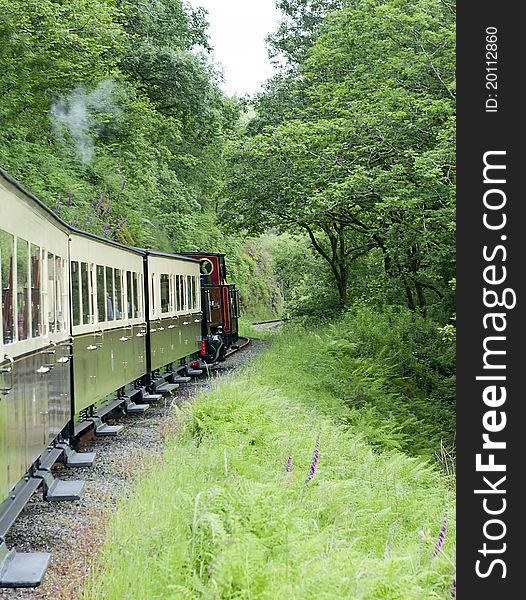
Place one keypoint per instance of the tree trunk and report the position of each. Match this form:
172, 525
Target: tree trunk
336, 258
421, 299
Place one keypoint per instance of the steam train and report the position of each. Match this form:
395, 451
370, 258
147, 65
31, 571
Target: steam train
89, 326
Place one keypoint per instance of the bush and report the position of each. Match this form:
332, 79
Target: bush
396, 372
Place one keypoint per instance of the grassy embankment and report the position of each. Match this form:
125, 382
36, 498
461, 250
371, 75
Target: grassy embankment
221, 517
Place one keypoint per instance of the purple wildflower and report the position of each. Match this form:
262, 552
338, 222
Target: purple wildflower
314, 464
107, 209
70, 199
123, 223
107, 229
99, 203
289, 462
441, 537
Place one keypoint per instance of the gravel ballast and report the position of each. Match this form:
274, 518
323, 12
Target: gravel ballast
74, 531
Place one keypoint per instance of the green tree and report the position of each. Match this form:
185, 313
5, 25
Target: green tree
362, 156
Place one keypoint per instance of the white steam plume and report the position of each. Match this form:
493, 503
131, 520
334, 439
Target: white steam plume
80, 113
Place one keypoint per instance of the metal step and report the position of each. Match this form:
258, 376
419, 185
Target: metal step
136, 409
76, 459
151, 397
22, 570
103, 429
166, 388
56, 490
194, 372
180, 379
65, 491
80, 459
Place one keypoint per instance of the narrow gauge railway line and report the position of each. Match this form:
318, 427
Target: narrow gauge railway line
272, 324
89, 327
245, 341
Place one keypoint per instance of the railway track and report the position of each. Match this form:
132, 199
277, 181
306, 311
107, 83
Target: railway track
272, 324
238, 347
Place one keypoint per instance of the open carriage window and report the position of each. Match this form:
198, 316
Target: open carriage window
75, 291
59, 294
84, 275
101, 311
22, 291
129, 295
118, 294
51, 302
137, 312
36, 292
110, 301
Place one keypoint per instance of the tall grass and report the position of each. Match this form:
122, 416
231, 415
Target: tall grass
222, 517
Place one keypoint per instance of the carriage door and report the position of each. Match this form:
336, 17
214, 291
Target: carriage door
35, 371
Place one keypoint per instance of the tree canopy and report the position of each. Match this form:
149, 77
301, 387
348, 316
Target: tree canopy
353, 142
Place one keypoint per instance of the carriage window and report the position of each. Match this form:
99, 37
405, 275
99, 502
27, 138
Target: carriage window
59, 293
182, 291
141, 296
118, 294
6, 257
101, 312
51, 302
194, 296
85, 293
110, 302
189, 292
75, 291
136, 305
129, 295
177, 296
36, 298
152, 293
165, 293
22, 291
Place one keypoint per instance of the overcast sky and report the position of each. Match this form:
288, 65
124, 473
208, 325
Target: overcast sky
237, 32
